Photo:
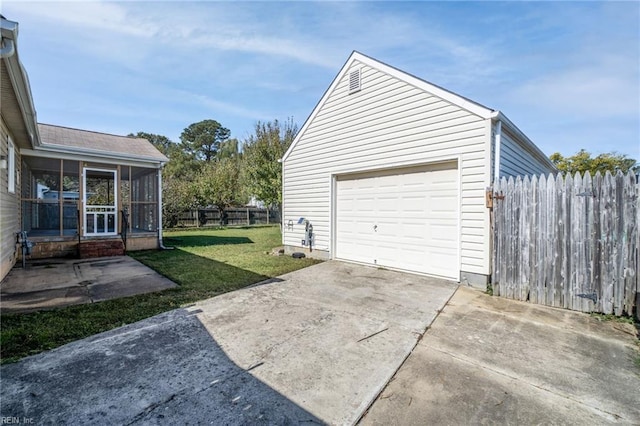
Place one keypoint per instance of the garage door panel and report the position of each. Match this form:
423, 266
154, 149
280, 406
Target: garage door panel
404, 220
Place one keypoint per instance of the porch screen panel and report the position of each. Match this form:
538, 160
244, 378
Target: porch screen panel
27, 188
125, 193
41, 209
70, 197
144, 200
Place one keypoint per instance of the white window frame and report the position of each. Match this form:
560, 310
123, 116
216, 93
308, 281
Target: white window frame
11, 167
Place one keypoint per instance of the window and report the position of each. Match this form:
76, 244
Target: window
12, 167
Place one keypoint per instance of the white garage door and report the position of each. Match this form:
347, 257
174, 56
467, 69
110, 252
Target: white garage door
404, 219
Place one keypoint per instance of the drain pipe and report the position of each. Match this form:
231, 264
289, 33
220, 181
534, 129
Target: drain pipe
160, 244
8, 33
7, 49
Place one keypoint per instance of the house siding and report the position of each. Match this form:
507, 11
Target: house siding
388, 124
516, 160
9, 206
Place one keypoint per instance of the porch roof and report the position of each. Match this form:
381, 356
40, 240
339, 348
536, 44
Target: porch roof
95, 143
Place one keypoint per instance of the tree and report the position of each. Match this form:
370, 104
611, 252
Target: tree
261, 154
178, 195
229, 149
219, 184
178, 189
583, 161
203, 139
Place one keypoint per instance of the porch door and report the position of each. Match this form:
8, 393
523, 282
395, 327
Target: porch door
100, 202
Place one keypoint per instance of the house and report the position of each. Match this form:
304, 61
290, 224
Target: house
75, 192
391, 170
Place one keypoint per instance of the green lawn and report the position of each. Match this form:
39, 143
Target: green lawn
205, 263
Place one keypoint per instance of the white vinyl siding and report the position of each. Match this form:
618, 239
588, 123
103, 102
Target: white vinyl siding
387, 124
9, 205
515, 160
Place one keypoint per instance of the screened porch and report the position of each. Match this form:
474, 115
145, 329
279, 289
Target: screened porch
73, 198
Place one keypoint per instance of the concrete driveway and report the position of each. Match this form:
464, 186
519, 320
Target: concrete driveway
488, 360
314, 346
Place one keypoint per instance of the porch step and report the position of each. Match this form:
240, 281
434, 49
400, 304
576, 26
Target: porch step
101, 248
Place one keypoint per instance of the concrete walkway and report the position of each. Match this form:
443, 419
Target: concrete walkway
315, 346
488, 360
54, 283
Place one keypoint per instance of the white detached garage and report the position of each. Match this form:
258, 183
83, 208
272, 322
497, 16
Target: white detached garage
391, 170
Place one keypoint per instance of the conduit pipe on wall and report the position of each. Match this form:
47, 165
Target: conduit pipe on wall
496, 153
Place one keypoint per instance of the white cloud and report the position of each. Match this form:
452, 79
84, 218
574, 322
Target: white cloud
94, 16
598, 79
592, 91
216, 105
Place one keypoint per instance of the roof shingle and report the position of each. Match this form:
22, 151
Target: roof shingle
135, 148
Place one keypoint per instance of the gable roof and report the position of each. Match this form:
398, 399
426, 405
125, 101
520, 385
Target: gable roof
451, 97
65, 139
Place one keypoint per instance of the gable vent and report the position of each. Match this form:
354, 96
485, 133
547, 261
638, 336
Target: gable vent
354, 81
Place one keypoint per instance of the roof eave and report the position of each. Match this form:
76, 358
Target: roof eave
20, 81
94, 153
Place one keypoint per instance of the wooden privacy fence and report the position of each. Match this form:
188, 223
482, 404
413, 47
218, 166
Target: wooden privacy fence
568, 242
233, 216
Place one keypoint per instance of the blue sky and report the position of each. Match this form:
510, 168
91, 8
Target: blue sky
567, 73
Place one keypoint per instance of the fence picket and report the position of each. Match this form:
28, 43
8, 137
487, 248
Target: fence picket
542, 238
525, 239
569, 241
586, 304
607, 245
631, 266
619, 246
570, 246
550, 255
534, 234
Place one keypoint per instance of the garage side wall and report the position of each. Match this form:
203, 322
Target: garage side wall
388, 123
517, 160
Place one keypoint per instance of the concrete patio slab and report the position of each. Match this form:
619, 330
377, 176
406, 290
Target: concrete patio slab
315, 347
53, 283
488, 360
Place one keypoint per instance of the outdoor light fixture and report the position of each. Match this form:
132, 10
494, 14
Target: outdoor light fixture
3, 162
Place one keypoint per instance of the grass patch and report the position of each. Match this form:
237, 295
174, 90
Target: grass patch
205, 263
489, 289
614, 318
